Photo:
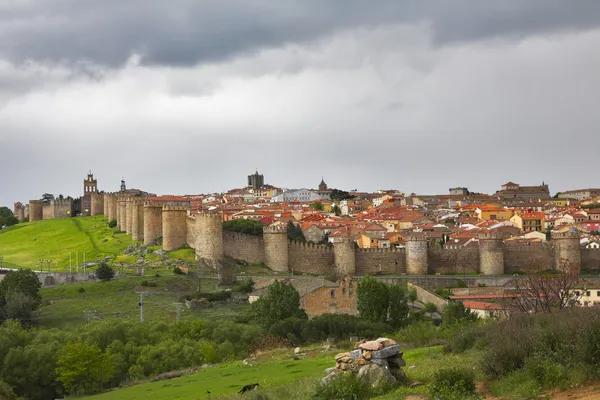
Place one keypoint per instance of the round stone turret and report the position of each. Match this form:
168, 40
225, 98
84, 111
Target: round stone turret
174, 224
128, 215
36, 212
137, 223
345, 256
209, 237
491, 253
416, 254
276, 247
153, 222
567, 251
121, 221
112, 207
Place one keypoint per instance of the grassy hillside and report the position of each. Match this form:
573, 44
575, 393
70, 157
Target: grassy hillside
25, 244
64, 305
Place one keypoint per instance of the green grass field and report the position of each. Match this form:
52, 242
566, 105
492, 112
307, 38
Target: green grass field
25, 244
64, 305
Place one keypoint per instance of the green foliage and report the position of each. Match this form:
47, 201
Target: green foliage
345, 386
112, 223
178, 271
456, 313
412, 295
247, 226
317, 206
398, 306
336, 210
373, 299
430, 307
7, 217
81, 290
341, 327
83, 368
294, 232
6, 391
453, 384
19, 295
281, 301
104, 272
461, 284
339, 195
244, 286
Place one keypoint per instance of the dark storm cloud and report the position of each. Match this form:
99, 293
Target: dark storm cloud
185, 32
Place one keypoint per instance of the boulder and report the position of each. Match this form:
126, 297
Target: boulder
367, 354
396, 362
382, 362
329, 371
386, 352
356, 353
330, 377
297, 350
343, 356
386, 342
371, 346
376, 375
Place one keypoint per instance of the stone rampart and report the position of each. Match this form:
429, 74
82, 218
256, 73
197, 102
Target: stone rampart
425, 296
47, 211
276, 250
528, 258
590, 259
153, 226
97, 207
174, 224
248, 248
310, 258
384, 261
453, 261
137, 222
209, 237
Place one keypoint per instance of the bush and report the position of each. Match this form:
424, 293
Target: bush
112, 223
453, 383
456, 313
216, 296
344, 386
148, 284
104, 272
430, 308
178, 271
247, 226
245, 286
81, 290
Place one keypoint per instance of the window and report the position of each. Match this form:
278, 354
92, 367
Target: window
588, 294
598, 293
332, 294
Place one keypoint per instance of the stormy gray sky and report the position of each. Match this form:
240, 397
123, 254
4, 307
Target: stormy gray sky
189, 96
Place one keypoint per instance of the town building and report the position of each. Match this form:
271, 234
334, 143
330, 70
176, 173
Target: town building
580, 194
512, 190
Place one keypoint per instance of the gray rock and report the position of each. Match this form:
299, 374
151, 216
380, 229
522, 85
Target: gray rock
160, 253
398, 374
329, 371
396, 362
356, 353
378, 361
327, 380
376, 375
297, 350
386, 352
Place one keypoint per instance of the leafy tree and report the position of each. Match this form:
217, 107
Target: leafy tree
247, 226
373, 299
398, 306
112, 223
245, 286
430, 307
336, 210
6, 392
7, 218
317, 206
19, 294
338, 195
455, 313
295, 232
83, 368
281, 301
412, 296
104, 272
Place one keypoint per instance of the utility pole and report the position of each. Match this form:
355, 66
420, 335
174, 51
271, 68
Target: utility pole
141, 306
178, 311
89, 315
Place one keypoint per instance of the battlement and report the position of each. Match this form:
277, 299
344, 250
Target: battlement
275, 229
18, 205
191, 218
168, 207
210, 216
417, 237
382, 250
153, 204
309, 246
343, 240
570, 234
35, 202
58, 202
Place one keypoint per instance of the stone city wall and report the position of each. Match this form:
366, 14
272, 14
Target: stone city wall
453, 261
528, 259
384, 261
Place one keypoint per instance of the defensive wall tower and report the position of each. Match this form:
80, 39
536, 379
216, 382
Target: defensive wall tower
209, 238
19, 211
276, 247
174, 226
344, 254
137, 219
47, 211
111, 204
567, 251
35, 210
153, 222
97, 204
416, 254
122, 221
105, 198
128, 215
491, 253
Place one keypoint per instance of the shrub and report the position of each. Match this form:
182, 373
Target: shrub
247, 226
178, 271
345, 386
461, 284
216, 296
112, 223
104, 272
453, 383
455, 313
245, 286
430, 307
81, 290
144, 283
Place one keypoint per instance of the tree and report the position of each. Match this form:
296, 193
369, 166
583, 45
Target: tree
281, 301
20, 290
398, 306
104, 272
317, 206
112, 223
7, 218
295, 232
547, 292
6, 392
373, 299
247, 226
339, 195
455, 312
336, 210
82, 367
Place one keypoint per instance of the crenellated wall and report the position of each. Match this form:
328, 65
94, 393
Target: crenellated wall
153, 226
97, 204
590, 259
384, 261
453, 261
310, 258
35, 210
209, 237
248, 248
174, 224
533, 258
137, 220
276, 248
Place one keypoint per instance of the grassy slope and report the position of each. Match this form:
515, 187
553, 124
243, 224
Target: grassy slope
64, 305
295, 379
26, 244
